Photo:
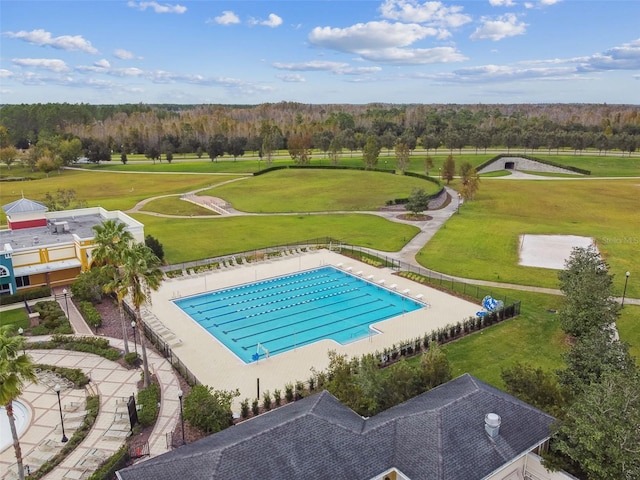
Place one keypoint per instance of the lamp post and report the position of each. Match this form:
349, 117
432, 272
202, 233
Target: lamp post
65, 292
21, 332
57, 390
624, 292
180, 393
135, 343
459, 200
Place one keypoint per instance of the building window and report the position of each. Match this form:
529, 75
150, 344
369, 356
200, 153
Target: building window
23, 281
4, 271
5, 288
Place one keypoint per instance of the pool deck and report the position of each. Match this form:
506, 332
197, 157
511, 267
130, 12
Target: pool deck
214, 365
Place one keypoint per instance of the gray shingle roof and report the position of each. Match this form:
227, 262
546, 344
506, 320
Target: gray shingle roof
23, 205
438, 435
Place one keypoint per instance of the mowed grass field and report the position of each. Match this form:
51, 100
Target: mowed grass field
195, 239
482, 242
111, 190
304, 190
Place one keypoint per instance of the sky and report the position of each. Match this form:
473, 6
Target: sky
353, 51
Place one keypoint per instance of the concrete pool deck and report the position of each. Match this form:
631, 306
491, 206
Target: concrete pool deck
214, 365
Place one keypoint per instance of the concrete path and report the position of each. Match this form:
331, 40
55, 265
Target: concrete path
114, 383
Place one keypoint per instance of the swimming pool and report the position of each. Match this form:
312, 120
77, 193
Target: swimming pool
279, 314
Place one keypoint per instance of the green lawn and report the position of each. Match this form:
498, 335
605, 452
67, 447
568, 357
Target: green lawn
16, 317
629, 329
113, 191
301, 190
482, 241
174, 206
194, 239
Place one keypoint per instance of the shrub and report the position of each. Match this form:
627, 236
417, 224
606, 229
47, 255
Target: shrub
209, 410
244, 408
74, 375
131, 359
117, 461
255, 407
277, 396
40, 292
90, 314
288, 392
148, 399
266, 400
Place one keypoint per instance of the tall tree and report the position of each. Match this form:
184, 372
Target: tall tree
449, 169
8, 155
370, 152
470, 184
402, 156
535, 386
428, 164
600, 435
141, 274
15, 370
112, 241
588, 293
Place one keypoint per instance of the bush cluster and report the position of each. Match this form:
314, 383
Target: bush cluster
74, 375
90, 314
95, 345
52, 319
148, 399
40, 292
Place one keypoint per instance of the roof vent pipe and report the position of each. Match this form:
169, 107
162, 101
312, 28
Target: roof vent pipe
492, 424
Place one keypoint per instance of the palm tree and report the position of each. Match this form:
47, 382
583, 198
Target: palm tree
15, 370
113, 241
141, 274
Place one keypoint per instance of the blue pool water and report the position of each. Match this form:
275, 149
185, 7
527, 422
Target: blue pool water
283, 313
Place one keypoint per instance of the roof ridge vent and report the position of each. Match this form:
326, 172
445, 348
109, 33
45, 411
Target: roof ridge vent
492, 423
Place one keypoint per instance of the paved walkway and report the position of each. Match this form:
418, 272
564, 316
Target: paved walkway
114, 383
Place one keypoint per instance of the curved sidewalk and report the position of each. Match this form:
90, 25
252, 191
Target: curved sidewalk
114, 384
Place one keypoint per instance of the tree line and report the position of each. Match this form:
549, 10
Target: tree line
218, 130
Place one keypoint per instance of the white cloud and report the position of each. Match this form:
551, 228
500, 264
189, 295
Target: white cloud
414, 56
63, 42
104, 63
158, 8
124, 54
340, 68
292, 78
431, 13
53, 64
314, 65
501, 3
624, 57
502, 27
5, 73
227, 18
541, 3
369, 36
272, 21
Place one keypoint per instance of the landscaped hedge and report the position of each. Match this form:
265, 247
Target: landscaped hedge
74, 375
40, 292
52, 319
148, 400
90, 314
95, 345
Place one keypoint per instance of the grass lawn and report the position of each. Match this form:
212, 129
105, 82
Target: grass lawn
113, 191
16, 317
298, 190
174, 206
629, 329
599, 166
482, 241
534, 337
195, 239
